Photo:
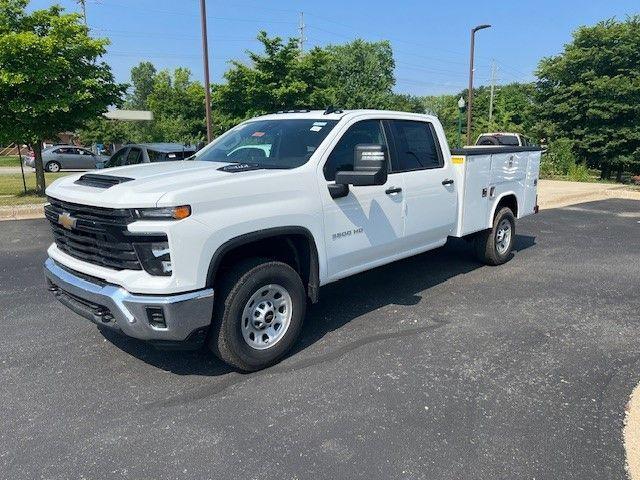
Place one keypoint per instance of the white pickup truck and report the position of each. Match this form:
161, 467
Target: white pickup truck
226, 248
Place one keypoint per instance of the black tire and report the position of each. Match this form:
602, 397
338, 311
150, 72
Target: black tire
486, 244
233, 293
53, 166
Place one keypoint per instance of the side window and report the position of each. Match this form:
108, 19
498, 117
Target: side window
134, 156
155, 156
416, 146
117, 160
341, 157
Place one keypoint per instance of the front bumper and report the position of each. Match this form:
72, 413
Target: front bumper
186, 315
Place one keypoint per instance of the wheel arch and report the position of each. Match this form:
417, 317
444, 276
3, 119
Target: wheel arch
506, 199
294, 245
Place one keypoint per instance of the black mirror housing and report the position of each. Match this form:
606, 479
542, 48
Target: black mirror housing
369, 166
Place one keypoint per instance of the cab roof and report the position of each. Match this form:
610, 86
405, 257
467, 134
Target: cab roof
336, 115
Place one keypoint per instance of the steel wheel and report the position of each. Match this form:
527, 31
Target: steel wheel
503, 236
266, 317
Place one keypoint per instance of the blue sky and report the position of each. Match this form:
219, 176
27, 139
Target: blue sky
430, 39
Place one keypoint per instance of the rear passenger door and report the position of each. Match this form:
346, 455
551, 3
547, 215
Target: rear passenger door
430, 192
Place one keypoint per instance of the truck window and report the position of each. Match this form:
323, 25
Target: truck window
155, 156
134, 156
279, 143
117, 159
416, 146
179, 155
341, 157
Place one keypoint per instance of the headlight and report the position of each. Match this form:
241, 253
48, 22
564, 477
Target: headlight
155, 258
164, 213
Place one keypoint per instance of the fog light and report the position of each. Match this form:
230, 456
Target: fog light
155, 257
155, 315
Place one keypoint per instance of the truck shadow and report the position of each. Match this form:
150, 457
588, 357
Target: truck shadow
399, 283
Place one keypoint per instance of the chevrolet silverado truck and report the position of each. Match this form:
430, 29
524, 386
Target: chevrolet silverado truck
228, 247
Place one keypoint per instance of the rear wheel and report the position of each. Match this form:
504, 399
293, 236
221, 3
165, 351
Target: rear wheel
258, 315
494, 246
53, 167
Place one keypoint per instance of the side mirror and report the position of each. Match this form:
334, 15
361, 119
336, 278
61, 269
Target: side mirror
369, 167
100, 165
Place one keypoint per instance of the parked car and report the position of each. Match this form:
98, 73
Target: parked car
503, 138
141, 249
148, 153
65, 157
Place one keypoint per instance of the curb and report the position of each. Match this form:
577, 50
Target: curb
22, 212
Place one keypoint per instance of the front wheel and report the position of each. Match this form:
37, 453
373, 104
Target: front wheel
494, 246
258, 315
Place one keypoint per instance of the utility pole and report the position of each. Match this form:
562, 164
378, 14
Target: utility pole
470, 93
493, 86
83, 4
205, 61
301, 27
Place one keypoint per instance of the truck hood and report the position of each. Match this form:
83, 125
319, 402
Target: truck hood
142, 185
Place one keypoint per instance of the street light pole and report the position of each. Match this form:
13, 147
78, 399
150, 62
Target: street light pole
205, 60
470, 93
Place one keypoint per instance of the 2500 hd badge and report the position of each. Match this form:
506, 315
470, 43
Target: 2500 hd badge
346, 233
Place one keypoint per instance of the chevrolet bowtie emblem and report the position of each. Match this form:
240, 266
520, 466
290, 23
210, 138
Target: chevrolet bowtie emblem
67, 221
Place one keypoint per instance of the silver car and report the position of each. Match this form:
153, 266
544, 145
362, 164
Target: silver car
66, 157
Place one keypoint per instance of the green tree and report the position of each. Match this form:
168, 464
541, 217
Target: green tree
360, 74
590, 93
280, 78
143, 77
50, 77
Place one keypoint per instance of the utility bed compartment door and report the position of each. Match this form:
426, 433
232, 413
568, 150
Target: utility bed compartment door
531, 184
476, 171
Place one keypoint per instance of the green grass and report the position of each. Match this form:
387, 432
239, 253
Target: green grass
12, 190
9, 162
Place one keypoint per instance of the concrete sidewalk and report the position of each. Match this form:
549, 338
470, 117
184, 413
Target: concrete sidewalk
558, 193
22, 212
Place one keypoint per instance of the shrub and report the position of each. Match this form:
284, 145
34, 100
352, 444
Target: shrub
578, 172
559, 158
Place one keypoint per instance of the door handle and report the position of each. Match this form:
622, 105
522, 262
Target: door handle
392, 190
448, 181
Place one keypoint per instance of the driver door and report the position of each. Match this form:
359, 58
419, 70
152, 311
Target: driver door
366, 227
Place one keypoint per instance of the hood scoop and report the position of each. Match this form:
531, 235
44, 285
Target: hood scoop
240, 167
100, 181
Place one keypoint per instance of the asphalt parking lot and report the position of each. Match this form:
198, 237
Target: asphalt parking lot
434, 367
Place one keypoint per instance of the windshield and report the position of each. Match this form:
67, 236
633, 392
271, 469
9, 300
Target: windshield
269, 143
